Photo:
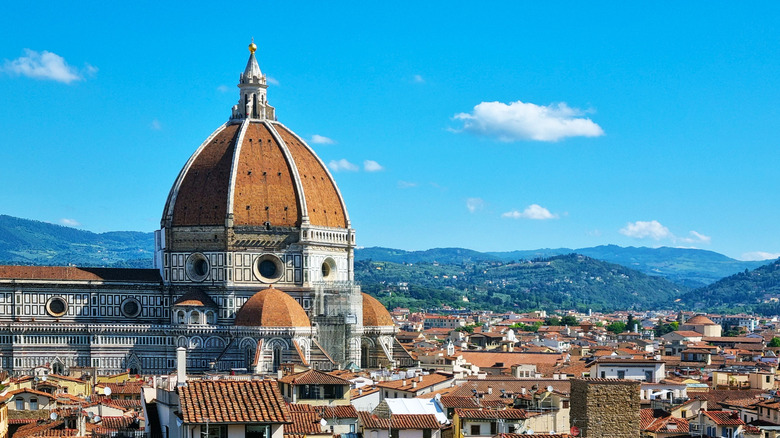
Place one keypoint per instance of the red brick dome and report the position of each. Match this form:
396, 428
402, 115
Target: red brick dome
272, 308
374, 313
255, 173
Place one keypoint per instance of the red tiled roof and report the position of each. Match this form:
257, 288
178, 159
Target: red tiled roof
491, 414
233, 402
82, 274
724, 418
196, 298
303, 423
413, 384
313, 377
272, 308
374, 313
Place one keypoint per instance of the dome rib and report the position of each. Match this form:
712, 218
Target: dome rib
234, 166
322, 190
173, 194
271, 308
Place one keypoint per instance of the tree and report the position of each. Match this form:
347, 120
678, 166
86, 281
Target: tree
775, 342
553, 320
630, 323
569, 320
617, 327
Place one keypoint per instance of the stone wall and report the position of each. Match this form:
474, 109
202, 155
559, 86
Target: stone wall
605, 407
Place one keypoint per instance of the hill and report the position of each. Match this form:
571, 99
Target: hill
751, 291
562, 281
30, 242
685, 266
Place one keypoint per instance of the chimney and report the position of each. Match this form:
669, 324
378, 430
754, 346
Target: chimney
181, 366
419, 378
522, 390
414, 385
403, 382
360, 391
490, 389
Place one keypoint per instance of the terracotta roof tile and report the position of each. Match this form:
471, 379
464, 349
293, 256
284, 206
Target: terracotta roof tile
313, 377
202, 196
493, 414
197, 298
322, 197
79, 274
374, 313
272, 308
233, 402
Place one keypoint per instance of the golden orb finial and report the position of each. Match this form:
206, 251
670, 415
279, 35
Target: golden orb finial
252, 46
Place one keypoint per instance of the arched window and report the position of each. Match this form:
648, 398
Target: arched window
277, 360
33, 404
211, 317
180, 317
195, 317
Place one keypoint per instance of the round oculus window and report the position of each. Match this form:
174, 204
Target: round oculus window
198, 267
329, 269
131, 308
269, 268
56, 306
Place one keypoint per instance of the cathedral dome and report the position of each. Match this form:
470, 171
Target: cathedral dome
374, 313
272, 308
254, 172
700, 320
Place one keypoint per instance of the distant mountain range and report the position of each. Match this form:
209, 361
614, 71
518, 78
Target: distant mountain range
606, 277
689, 267
29, 242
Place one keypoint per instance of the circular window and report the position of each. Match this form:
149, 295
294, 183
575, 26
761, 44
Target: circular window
329, 269
56, 306
131, 307
269, 268
198, 267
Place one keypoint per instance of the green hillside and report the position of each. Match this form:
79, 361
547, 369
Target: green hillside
564, 281
29, 242
752, 291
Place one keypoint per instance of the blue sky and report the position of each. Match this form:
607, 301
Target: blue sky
498, 126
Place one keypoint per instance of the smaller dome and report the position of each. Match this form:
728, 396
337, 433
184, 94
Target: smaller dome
374, 313
195, 298
272, 308
699, 320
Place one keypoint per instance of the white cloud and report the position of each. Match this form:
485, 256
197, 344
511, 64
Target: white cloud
70, 222
271, 80
406, 184
417, 79
527, 121
645, 229
321, 139
695, 237
223, 88
533, 211
760, 255
46, 65
654, 230
372, 166
474, 204
155, 125
342, 165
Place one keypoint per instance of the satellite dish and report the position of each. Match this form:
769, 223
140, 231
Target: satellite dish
437, 397
107, 391
323, 422
96, 419
53, 416
549, 388
90, 415
43, 378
